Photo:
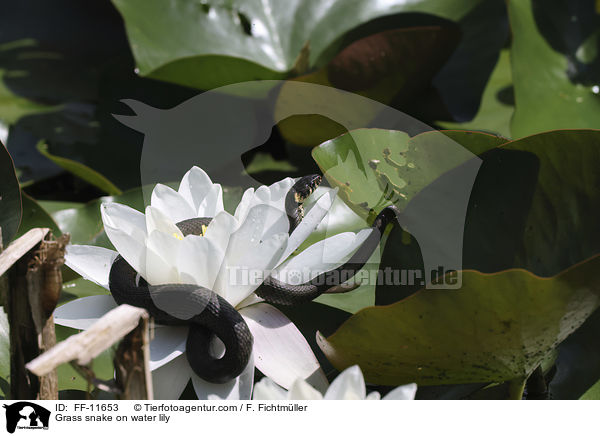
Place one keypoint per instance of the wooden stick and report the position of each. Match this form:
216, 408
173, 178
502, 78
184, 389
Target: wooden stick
34, 285
17, 249
86, 345
132, 364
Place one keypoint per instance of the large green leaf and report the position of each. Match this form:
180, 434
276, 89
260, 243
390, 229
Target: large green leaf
10, 197
464, 78
555, 63
35, 216
497, 105
593, 393
404, 165
550, 221
533, 205
210, 44
424, 158
79, 288
496, 327
69, 379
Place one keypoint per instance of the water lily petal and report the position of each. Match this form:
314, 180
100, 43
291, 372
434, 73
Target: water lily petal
205, 197
83, 312
263, 221
374, 396
325, 255
249, 258
156, 220
248, 301
267, 390
301, 390
199, 261
161, 256
212, 204
170, 380
279, 190
309, 223
90, 262
125, 218
220, 229
349, 385
126, 229
280, 350
406, 392
257, 262
340, 218
172, 203
244, 205
274, 195
168, 342
238, 389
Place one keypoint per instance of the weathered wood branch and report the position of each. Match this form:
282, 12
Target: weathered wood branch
132, 364
34, 263
87, 345
20, 247
132, 357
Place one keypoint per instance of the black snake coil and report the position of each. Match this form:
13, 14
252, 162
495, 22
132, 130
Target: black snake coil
209, 314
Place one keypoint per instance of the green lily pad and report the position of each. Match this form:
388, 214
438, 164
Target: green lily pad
497, 102
374, 168
497, 327
10, 197
211, 44
35, 216
79, 288
80, 170
536, 205
69, 379
593, 393
520, 188
555, 65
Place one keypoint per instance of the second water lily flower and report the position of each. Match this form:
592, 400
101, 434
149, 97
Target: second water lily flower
254, 238
349, 385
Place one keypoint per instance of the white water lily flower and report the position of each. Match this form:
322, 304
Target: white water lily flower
349, 385
255, 238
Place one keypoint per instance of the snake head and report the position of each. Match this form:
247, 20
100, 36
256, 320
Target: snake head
305, 186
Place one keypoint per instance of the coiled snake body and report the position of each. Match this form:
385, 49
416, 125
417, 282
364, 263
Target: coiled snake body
209, 314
